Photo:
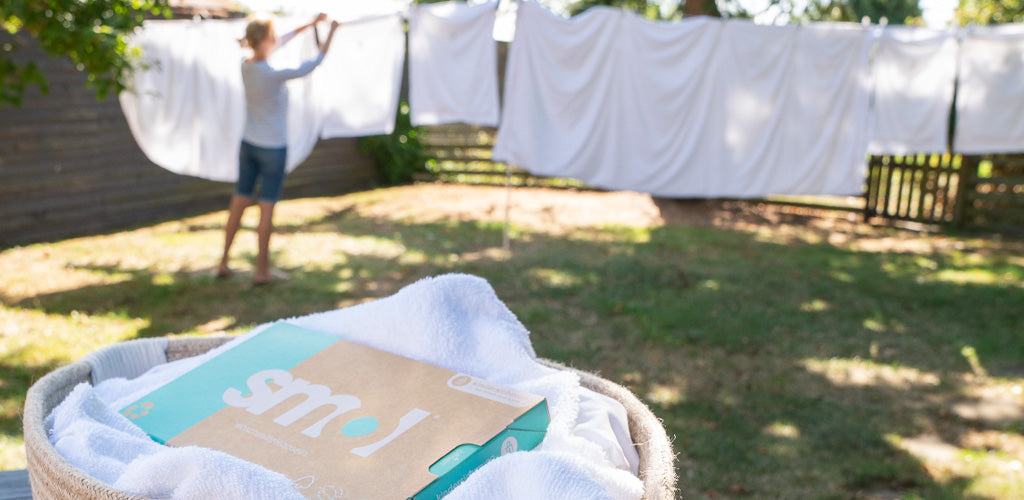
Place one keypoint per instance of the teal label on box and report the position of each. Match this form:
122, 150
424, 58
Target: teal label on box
187, 400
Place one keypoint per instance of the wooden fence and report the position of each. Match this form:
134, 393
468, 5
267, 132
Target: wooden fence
973, 191
994, 193
462, 154
920, 188
69, 165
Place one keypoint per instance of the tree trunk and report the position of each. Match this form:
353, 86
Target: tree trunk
700, 8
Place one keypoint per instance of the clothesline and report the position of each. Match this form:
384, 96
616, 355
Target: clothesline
700, 107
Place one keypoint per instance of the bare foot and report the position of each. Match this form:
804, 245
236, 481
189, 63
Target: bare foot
223, 272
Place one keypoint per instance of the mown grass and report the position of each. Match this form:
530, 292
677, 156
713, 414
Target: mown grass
784, 367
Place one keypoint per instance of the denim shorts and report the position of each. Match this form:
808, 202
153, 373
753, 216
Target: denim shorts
265, 165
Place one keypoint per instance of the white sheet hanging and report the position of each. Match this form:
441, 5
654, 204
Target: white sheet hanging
745, 130
306, 115
362, 77
700, 108
990, 97
665, 102
187, 109
913, 77
453, 64
827, 123
558, 93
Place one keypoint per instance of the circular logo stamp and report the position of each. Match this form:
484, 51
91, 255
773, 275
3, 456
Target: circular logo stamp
461, 380
509, 446
140, 410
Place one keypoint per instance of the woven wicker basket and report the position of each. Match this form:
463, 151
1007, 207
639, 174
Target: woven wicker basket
52, 477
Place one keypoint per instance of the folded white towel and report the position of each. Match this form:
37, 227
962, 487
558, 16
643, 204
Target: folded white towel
453, 321
97, 439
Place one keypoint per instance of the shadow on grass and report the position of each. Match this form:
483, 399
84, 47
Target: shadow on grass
733, 341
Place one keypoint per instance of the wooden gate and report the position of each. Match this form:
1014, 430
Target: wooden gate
920, 188
968, 190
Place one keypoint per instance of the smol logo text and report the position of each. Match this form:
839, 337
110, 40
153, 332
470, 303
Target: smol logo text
262, 398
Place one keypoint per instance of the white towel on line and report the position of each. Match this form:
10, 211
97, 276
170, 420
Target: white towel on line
913, 77
453, 64
186, 108
456, 322
990, 96
699, 108
361, 78
827, 126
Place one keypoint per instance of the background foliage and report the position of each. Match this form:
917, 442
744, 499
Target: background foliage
91, 33
400, 154
896, 11
990, 11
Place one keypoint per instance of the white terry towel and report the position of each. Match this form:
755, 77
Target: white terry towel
94, 437
826, 120
361, 78
454, 321
913, 77
699, 108
752, 76
186, 107
990, 96
453, 64
561, 101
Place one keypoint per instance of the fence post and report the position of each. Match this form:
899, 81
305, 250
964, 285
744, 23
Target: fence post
964, 184
869, 209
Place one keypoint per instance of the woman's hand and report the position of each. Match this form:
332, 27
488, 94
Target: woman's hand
330, 36
321, 17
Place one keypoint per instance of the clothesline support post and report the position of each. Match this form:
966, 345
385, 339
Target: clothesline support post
506, 243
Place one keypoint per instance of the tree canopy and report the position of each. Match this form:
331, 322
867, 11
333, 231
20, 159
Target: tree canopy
990, 11
896, 11
90, 33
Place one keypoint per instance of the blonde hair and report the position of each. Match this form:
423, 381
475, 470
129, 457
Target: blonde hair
258, 29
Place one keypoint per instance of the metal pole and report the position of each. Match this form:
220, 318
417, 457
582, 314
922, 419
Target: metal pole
506, 243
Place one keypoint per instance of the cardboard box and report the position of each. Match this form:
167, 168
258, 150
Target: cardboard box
340, 419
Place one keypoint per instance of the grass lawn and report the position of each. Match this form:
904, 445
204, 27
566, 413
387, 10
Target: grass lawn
791, 358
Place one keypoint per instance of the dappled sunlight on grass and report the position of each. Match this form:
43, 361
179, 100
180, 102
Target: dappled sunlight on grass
993, 472
860, 372
665, 395
972, 276
12, 450
216, 325
31, 271
554, 278
815, 305
879, 324
31, 337
783, 430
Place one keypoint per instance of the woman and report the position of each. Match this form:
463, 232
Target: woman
263, 152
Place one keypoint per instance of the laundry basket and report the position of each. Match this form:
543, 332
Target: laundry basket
52, 477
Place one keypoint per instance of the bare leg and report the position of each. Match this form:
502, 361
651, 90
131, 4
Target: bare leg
264, 230
235, 211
